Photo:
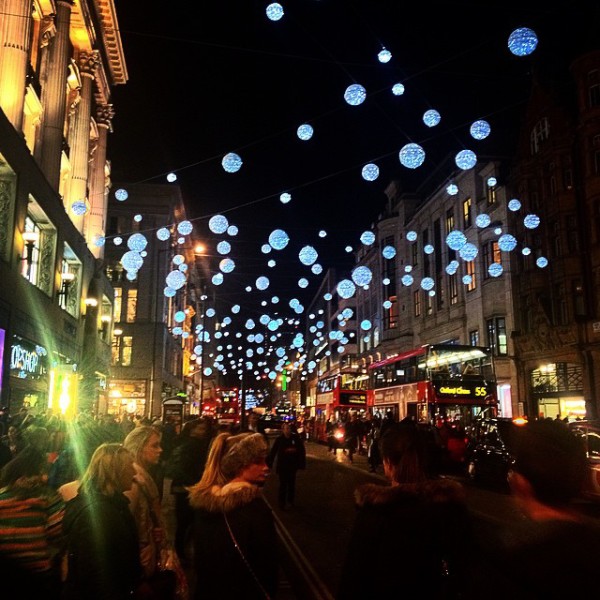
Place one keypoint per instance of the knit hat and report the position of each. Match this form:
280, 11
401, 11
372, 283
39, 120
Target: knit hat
243, 450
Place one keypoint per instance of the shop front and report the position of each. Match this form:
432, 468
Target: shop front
126, 396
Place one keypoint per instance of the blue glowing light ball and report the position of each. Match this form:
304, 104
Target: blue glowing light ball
316, 269
522, 41
411, 236
365, 325
265, 248
308, 255
407, 280
231, 162
274, 11
171, 177
495, 269
235, 309
367, 238
514, 205
303, 282
175, 279
427, 283
479, 130
163, 234
327, 297
223, 247
271, 263
138, 218
169, 292
385, 281
370, 172
362, 276
218, 224
355, 94
346, 289
526, 251
348, 248
388, 252
428, 249
468, 252
431, 118
492, 182
467, 279
179, 316
232, 230
137, 242
507, 242
305, 132
452, 267
118, 241
452, 189
531, 221
542, 262
455, 240
278, 239
483, 220
121, 194
262, 283
227, 265
412, 156
99, 240
79, 208
387, 305
397, 89
465, 159
185, 227
132, 261
384, 56
285, 198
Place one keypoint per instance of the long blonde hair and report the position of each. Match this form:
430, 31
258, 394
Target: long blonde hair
228, 456
103, 472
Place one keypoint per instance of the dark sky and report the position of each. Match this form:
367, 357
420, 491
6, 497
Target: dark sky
208, 78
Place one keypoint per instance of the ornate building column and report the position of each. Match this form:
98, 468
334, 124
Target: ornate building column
15, 27
80, 144
95, 221
54, 96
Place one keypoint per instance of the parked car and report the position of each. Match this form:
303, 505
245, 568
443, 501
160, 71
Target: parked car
589, 432
488, 456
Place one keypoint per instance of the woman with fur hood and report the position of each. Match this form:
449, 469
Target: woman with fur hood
235, 546
416, 530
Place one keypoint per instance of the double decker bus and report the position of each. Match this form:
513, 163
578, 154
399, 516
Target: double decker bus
336, 395
227, 406
436, 382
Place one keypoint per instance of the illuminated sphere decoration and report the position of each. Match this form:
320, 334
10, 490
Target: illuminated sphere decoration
131, 275
178, 259
367, 238
467, 279
384, 56
507, 242
171, 177
322, 233
407, 280
427, 283
366, 325
362, 276
132, 261
169, 292
370, 172
305, 132
346, 289
411, 236
483, 220
308, 255
163, 234
248, 288
303, 282
278, 239
250, 324
235, 309
271, 263
452, 189
121, 194
232, 230
388, 252
327, 297
137, 242
262, 283
407, 269
468, 252
522, 41
431, 118
348, 249
223, 247
452, 267
218, 224
479, 130
316, 269
265, 248
185, 227
285, 198
495, 269
387, 304
514, 205
274, 11
181, 240
542, 262
79, 208
526, 251
412, 156
455, 240
179, 316
428, 249
531, 221
465, 159
385, 281
175, 279
397, 89
231, 162
227, 265
138, 218
347, 313
355, 94
177, 330
99, 240
207, 372
492, 182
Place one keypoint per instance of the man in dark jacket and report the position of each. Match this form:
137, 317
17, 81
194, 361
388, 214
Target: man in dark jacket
290, 455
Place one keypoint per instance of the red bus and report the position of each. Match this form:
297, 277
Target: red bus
436, 381
227, 407
336, 395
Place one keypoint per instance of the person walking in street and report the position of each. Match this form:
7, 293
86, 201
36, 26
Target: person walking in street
415, 530
235, 544
185, 468
546, 477
288, 454
352, 431
103, 558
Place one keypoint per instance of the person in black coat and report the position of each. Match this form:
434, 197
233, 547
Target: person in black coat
415, 531
288, 454
102, 544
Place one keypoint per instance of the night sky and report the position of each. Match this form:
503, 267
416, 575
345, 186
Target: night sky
211, 78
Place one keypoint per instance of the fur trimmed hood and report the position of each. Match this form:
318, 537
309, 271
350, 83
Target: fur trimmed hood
434, 491
224, 498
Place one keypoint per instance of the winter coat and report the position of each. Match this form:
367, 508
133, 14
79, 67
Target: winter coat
187, 461
102, 548
288, 453
407, 535
221, 572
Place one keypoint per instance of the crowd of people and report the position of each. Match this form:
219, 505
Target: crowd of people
81, 513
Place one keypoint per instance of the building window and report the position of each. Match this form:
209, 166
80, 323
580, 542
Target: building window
470, 268
474, 337
31, 251
496, 336
453, 289
390, 315
490, 254
539, 133
491, 195
417, 303
441, 295
415, 254
428, 304
118, 303
467, 213
116, 350
126, 350
132, 295
449, 220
